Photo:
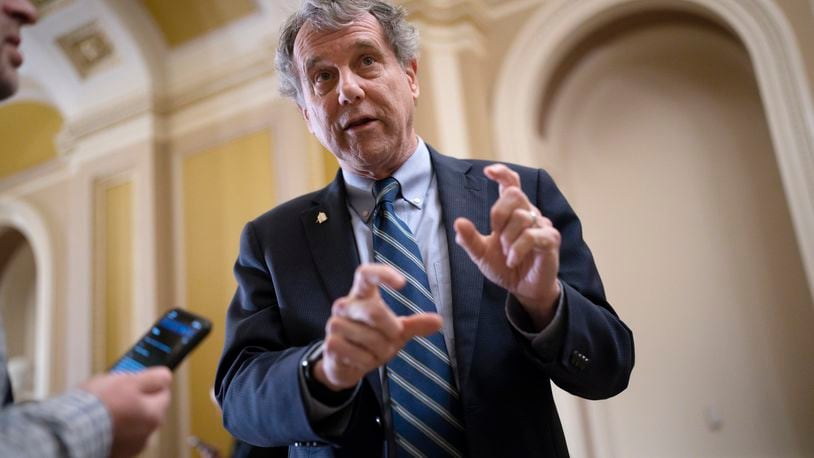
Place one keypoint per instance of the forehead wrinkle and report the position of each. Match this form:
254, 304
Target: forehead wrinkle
359, 44
311, 62
365, 43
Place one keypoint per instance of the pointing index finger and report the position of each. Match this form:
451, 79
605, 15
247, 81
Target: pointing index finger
503, 175
368, 277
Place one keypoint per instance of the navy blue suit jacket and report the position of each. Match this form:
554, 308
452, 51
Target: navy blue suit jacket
291, 268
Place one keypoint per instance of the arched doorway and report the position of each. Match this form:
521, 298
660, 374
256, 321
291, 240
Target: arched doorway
18, 310
657, 134
27, 256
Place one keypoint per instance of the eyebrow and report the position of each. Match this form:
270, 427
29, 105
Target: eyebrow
361, 44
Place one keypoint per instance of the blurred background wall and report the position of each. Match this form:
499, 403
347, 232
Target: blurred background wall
148, 132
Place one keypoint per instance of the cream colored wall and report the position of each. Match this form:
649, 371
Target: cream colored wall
18, 300
658, 137
49, 201
223, 188
228, 103
800, 15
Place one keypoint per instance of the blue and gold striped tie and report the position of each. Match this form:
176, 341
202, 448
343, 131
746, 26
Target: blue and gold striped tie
424, 399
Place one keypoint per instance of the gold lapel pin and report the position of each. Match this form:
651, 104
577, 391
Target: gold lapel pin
321, 217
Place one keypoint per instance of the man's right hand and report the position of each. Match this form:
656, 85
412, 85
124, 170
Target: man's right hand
136, 404
363, 333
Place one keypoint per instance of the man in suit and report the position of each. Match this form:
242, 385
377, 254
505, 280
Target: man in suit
108, 415
315, 347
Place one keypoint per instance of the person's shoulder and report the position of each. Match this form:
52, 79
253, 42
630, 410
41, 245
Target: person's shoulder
480, 164
477, 166
289, 209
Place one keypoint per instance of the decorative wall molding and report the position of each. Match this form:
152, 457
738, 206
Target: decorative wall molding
479, 12
28, 221
211, 83
443, 48
98, 312
88, 48
559, 25
116, 113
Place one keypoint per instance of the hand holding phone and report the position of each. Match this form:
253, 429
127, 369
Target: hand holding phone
166, 343
136, 403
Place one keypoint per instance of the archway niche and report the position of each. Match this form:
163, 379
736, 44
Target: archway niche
655, 128
18, 310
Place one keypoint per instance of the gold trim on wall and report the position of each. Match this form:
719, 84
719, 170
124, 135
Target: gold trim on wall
183, 20
113, 309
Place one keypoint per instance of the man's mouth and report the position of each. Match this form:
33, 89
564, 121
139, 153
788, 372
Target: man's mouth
358, 123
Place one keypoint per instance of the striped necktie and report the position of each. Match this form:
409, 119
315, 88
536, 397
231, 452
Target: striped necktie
424, 401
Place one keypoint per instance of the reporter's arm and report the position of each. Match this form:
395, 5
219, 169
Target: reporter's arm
75, 424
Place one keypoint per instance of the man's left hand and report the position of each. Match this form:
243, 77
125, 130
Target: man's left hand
522, 254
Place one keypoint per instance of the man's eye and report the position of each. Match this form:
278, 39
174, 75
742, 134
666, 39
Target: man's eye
367, 60
322, 77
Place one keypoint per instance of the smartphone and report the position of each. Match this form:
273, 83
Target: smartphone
167, 342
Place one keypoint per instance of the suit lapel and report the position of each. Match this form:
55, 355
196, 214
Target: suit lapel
330, 238
462, 195
333, 248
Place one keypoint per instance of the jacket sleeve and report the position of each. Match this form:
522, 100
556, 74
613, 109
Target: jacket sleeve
594, 354
257, 380
75, 424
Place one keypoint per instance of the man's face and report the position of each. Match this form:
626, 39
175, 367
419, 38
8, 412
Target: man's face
13, 15
357, 98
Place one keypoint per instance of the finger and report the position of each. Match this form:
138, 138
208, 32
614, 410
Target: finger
421, 324
520, 220
365, 337
369, 276
155, 406
372, 312
503, 209
468, 237
348, 355
153, 379
339, 373
504, 176
538, 239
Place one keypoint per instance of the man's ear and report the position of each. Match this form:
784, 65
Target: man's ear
304, 113
411, 69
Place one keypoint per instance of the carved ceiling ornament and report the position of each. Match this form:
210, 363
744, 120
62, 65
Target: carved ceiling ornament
88, 48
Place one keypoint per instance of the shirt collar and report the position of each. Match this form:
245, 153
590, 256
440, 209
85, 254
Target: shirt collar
414, 176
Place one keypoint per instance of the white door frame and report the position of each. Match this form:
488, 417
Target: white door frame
28, 221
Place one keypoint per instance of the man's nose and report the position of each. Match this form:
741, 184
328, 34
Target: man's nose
350, 91
22, 10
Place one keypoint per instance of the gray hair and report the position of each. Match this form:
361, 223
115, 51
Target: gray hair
331, 15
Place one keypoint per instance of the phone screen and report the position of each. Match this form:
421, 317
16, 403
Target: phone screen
171, 338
